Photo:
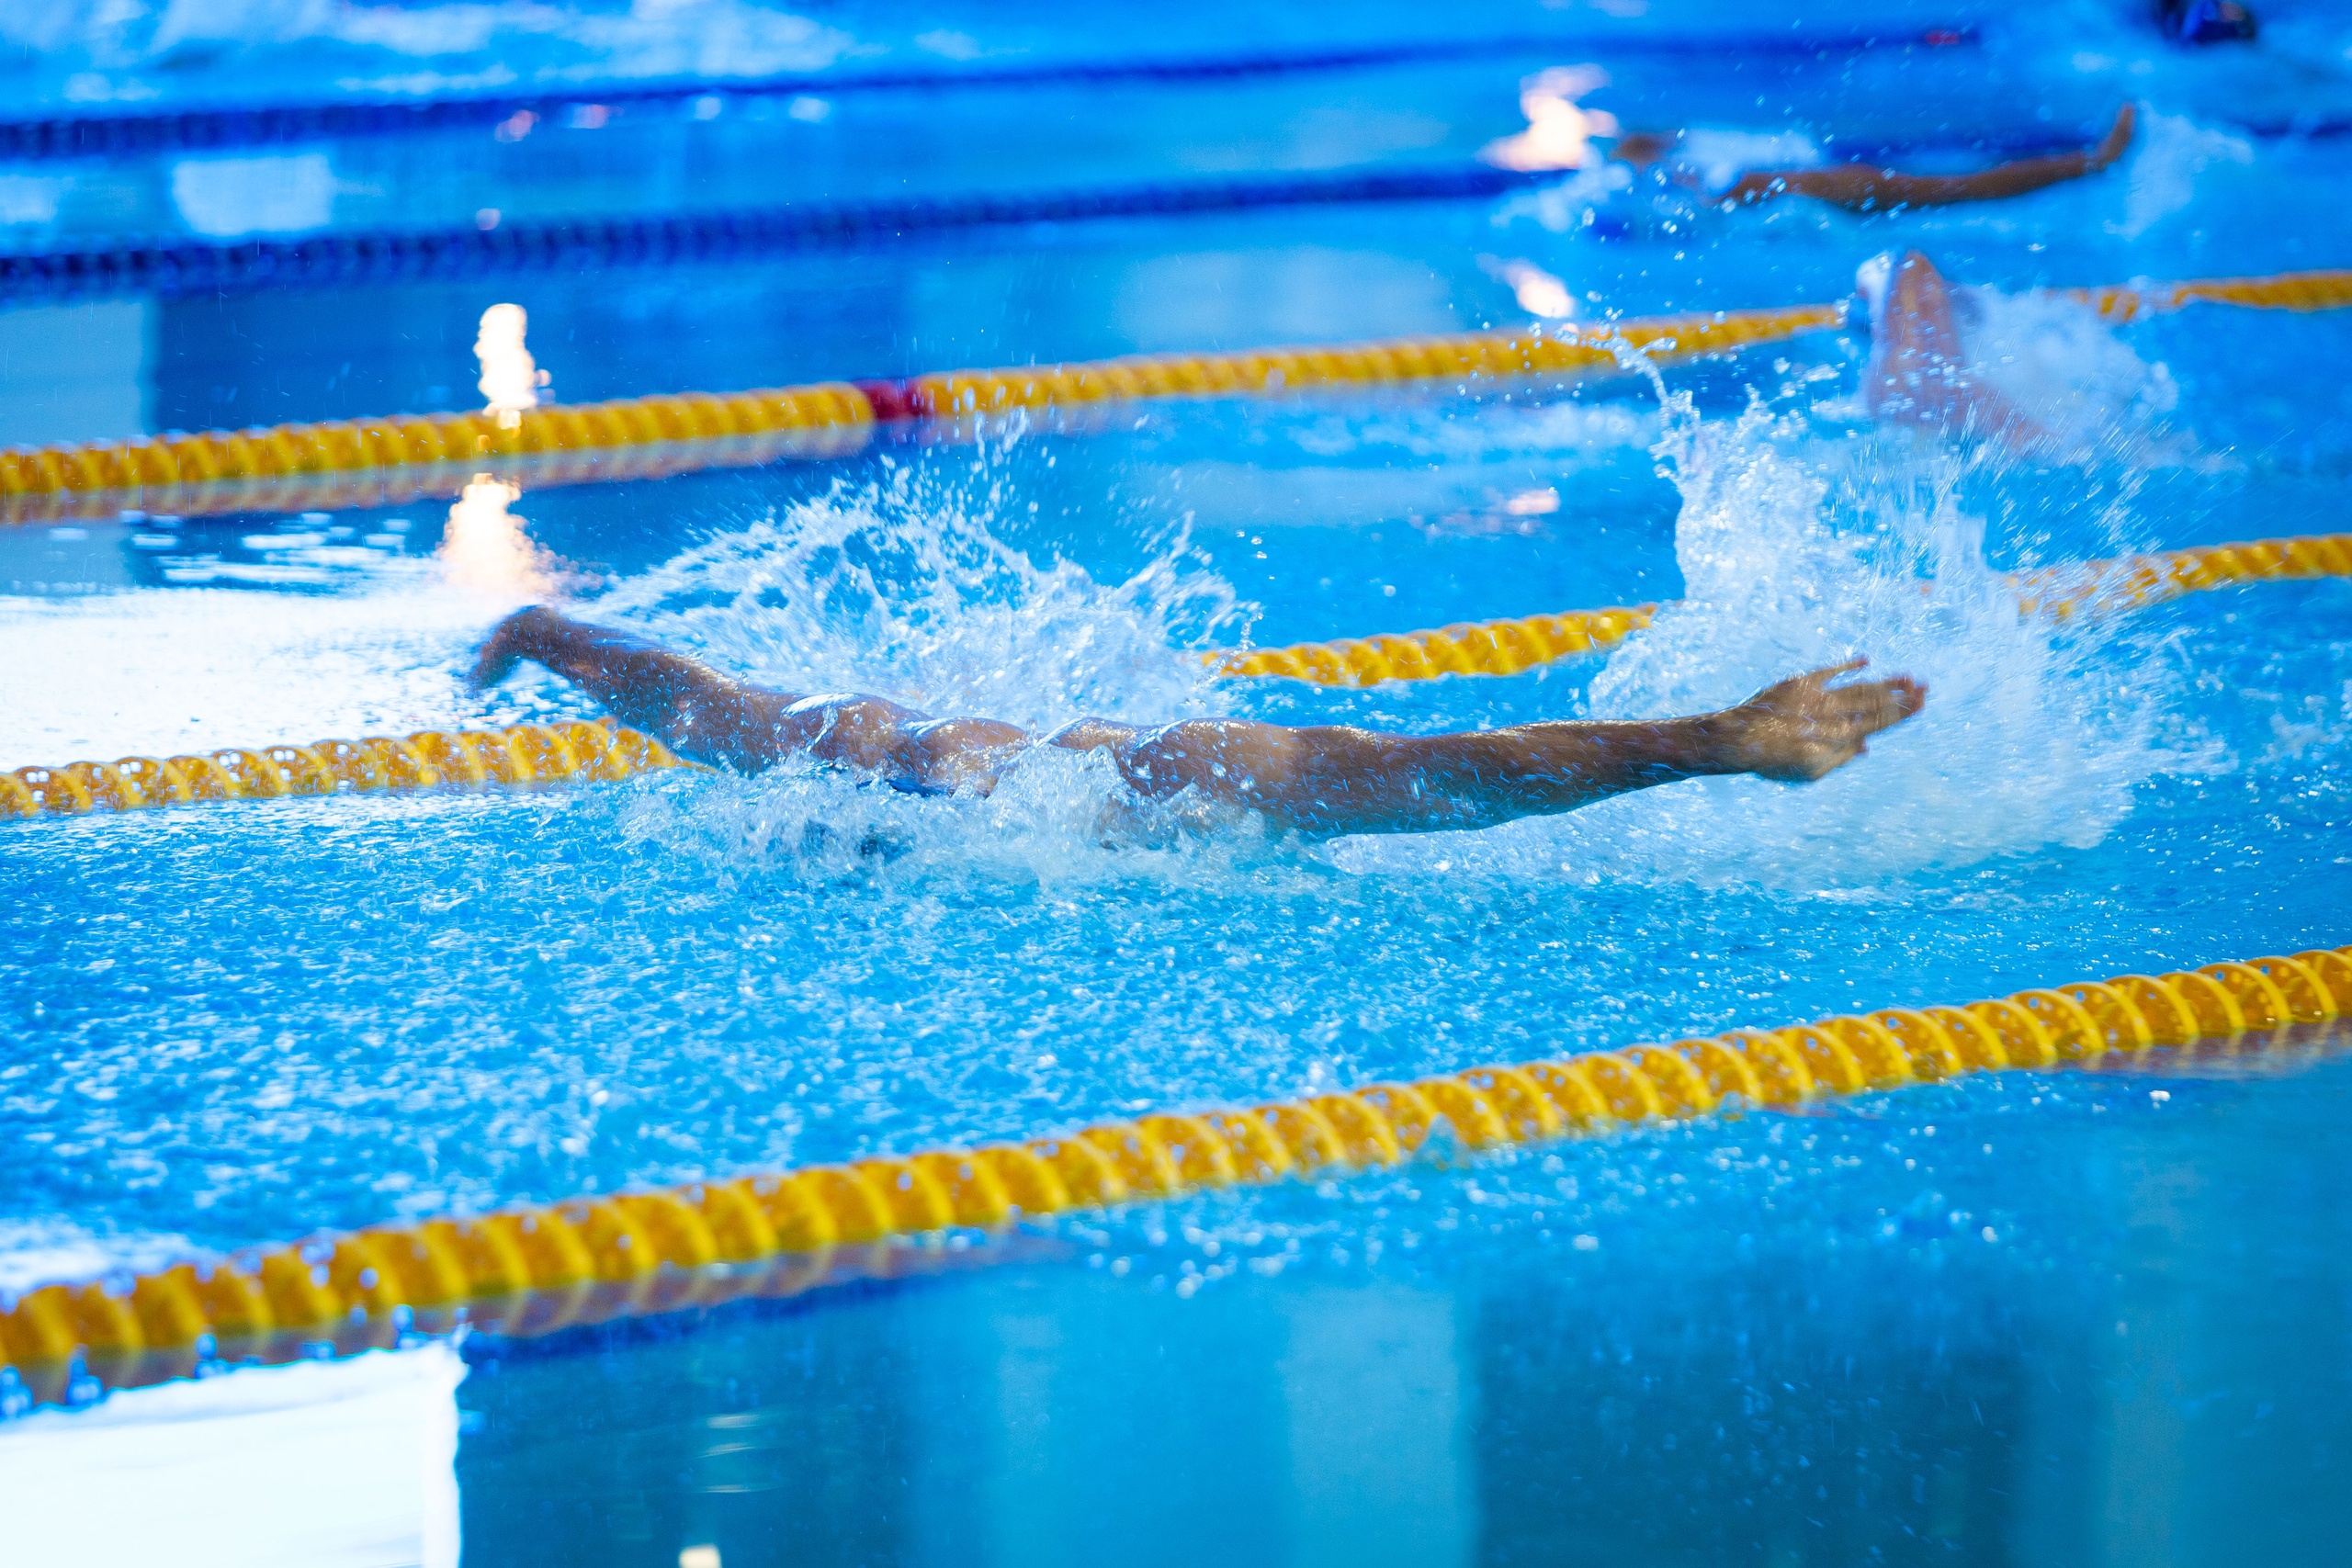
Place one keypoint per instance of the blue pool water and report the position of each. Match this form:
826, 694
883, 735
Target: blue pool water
2056, 1318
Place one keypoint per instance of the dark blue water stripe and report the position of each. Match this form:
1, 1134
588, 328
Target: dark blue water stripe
210, 266
189, 129
2037, 141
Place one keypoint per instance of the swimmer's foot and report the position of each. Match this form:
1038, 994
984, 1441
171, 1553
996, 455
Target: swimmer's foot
2118, 137
509, 643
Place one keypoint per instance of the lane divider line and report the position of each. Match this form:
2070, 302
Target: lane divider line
1514, 646
145, 471
577, 752
172, 267
213, 471
175, 129
126, 471
537, 1269
2301, 291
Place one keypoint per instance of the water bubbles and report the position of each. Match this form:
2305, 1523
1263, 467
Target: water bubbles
902, 589
1801, 548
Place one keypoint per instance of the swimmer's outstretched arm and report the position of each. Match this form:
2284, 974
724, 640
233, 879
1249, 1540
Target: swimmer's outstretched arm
1322, 780
1327, 781
1865, 188
702, 715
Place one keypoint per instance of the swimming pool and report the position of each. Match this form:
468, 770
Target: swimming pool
2078, 1314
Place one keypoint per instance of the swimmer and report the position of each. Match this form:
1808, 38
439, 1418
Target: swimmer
1321, 781
1865, 188
1918, 373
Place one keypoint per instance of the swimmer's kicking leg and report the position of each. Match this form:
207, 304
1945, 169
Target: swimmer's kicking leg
1320, 780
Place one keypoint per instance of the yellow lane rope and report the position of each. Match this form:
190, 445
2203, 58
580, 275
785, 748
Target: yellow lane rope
379, 461
2327, 290
537, 1269
454, 441
1514, 646
580, 751
216, 470
1466, 647
1562, 350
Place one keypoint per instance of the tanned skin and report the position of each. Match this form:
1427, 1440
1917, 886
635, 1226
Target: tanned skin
1864, 187
1320, 781
1918, 373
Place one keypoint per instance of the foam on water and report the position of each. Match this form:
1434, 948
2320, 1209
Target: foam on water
2057, 362
2174, 154
1797, 553
904, 590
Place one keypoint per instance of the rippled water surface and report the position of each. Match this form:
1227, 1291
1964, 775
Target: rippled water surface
2048, 1318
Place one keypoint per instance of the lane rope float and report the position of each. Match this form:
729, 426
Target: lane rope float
578, 752
376, 462
366, 461
1514, 646
1506, 647
570, 442
537, 1269
2327, 290
178, 130
170, 268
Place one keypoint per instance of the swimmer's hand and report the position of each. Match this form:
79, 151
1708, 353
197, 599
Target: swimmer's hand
1803, 728
510, 642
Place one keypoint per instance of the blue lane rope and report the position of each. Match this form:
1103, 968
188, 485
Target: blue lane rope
211, 266
202, 128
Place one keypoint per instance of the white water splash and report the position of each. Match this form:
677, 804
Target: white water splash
1056, 818
1798, 548
902, 590
2057, 362
2174, 153
1720, 157
1797, 553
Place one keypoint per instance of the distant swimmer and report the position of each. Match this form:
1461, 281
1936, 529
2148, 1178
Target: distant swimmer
1866, 187
1321, 781
1734, 168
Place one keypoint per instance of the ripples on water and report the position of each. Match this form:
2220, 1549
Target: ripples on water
244, 1022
